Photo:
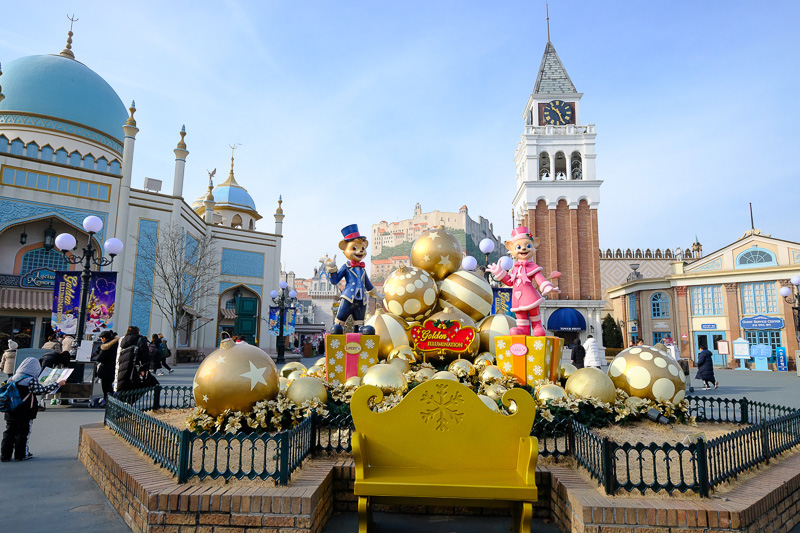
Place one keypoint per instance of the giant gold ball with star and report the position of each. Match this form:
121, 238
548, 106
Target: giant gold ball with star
410, 293
494, 326
438, 252
468, 292
235, 377
591, 382
647, 372
392, 330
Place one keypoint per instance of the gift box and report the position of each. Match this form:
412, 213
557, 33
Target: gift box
529, 358
348, 355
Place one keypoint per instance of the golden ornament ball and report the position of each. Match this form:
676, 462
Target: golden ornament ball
400, 364
461, 368
494, 326
468, 292
288, 368
647, 372
235, 377
512, 407
634, 402
403, 352
495, 391
424, 374
392, 330
491, 404
296, 374
410, 293
591, 382
305, 389
317, 372
483, 360
283, 385
352, 383
492, 373
438, 252
445, 374
566, 370
387, 378
551, 391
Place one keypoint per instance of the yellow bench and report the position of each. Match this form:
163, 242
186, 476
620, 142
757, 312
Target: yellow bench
441, 442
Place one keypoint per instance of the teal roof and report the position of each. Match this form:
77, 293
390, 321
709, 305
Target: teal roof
60, 87
233, 195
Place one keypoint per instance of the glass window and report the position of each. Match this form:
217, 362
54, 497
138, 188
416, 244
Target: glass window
47, 153
75, 159
632, 307
764, 336
62, 185
707, 300
31, 181
759, 298
103, 192
73, 187
102, 164
53, 186
61, 156
83, 188
32, 150
8, 176
92, 190
42, 258
230, 304
659, 336
42, 184
755, 257
659, 305
19, 179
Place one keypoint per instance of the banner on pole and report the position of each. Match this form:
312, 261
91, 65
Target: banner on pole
501, 302
100, 303
288, 320
66, 302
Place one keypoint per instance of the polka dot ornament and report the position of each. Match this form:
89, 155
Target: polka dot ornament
646, 372
410, 293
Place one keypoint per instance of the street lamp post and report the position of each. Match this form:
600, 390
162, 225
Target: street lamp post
794, 300
91, 256
283, 299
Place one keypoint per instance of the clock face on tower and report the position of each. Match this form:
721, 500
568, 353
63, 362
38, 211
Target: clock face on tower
557, 112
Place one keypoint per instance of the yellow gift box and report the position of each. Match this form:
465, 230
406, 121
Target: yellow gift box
348, 355
529, 358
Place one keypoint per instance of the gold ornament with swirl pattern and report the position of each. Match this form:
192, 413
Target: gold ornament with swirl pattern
391, 329
438, 252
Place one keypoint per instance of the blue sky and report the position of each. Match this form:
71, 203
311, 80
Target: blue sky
355, 111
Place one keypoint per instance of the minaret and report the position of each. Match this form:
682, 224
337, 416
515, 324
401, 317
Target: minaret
279, 217
180, 165
209, 203
2, 96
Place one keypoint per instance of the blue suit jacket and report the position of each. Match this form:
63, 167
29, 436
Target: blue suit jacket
358, 283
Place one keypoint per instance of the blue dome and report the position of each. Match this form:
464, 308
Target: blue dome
233, 195
60, 87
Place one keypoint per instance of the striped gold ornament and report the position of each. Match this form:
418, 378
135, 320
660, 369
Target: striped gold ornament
468, 292
493, 326
392, 330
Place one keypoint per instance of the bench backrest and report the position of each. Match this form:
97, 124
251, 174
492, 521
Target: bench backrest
442, 424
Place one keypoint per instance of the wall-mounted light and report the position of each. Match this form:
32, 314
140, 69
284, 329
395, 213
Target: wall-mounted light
23, 237
49, 237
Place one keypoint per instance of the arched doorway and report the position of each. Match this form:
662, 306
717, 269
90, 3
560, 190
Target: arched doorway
239, 313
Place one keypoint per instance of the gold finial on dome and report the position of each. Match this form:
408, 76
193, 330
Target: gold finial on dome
182, 143
279, 211
231, 180
131, 121
67, 52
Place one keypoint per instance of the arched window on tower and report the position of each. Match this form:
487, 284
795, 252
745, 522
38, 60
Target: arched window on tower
755, 257
659, 305
576, 166
236, 222
561, 166
544, 167
252, 225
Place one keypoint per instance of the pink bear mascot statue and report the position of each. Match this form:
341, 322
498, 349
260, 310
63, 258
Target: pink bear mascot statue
527, 281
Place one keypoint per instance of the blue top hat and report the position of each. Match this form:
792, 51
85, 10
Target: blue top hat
350, 232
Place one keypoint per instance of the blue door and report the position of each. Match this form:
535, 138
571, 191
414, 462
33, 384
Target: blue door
710, 339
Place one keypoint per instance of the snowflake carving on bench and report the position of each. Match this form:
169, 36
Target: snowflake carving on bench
442, 408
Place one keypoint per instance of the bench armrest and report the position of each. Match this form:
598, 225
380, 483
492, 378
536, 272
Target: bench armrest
526, 459
359, 453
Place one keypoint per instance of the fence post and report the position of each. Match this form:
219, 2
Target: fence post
570, 438
744, 410
701, 454
184, 441
283, 460
157, 397
607, 460
765, 442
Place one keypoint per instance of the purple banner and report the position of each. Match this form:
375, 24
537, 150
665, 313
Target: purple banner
66, 302
99, 304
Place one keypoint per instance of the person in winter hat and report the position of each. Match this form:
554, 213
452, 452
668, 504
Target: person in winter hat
9, 359
20, 421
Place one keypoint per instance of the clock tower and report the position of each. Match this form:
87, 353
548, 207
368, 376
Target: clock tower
558, 192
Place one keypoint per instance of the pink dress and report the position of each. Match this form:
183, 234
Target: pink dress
525, 295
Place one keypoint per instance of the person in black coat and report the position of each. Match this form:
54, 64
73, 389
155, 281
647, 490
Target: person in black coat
705, 368
578, 354
133, 356
106, 358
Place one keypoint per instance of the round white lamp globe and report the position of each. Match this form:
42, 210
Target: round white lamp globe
274, 293
65, 242
486, 246
795, 280
92, 224
292, 294
506, 263
784, 291
283, 284
113, 246
469, 263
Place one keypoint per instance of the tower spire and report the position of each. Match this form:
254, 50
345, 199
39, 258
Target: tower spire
547, 11
231, 179
67, 52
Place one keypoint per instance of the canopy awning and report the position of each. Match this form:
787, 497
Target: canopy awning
230, 314
566, 319
26, 299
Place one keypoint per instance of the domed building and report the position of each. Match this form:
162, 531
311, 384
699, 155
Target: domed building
66, 152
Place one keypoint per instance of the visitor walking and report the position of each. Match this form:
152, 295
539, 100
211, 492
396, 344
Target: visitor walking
9, 358
105, 358
592, 353
19, 422
165, 352
133, 361
705, 368
154, 348
578, 354
52, 344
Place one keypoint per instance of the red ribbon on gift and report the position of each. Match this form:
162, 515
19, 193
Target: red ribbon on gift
351, 359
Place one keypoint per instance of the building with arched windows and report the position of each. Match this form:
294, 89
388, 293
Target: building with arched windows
66, 152
715, 298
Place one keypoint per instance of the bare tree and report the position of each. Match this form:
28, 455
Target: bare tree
184, 286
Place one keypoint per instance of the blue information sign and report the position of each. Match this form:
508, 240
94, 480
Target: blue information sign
782, 364
708, 326
761, 322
